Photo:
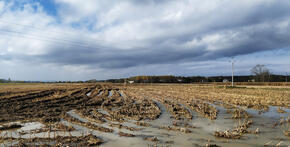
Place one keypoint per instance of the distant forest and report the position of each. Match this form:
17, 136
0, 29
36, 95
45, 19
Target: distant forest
199, 79
173, 79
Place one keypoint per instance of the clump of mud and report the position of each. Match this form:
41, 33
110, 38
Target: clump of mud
59, 141
204, 109
239, 113
235, 133
10, 127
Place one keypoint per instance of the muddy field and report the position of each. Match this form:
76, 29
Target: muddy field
143, 115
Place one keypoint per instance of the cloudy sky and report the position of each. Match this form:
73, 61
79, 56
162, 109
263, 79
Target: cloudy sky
101, 39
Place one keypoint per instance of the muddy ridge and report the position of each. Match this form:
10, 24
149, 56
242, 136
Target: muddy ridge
149, 115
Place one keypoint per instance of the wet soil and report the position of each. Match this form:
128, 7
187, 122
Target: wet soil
139, 115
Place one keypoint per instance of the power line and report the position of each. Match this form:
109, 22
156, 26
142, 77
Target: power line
41, 30
53, 41
46, 36
53, 32
57, 40
29, 26
32, 27
83, 44
40, 38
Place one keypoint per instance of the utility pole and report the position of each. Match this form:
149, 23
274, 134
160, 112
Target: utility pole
233, 71
286, 76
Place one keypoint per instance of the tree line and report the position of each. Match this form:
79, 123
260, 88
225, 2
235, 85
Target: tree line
260, 73
199, 79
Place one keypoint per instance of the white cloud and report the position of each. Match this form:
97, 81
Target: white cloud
1, 6
23, 39
95, 36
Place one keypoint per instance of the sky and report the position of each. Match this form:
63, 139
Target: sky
103, 39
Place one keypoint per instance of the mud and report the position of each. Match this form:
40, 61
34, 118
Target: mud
143, 115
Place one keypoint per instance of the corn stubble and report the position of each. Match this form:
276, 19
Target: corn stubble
50, 103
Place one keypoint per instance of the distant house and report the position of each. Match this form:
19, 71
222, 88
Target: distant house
225, 80
180, 80
130, 82
252, 80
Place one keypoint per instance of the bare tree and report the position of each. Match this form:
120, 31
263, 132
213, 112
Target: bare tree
261, 72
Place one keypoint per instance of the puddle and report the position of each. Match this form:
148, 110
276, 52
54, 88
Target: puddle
271, 113
89, 93
106, 125
103, 111
121, 94
164, 118
73, 114
111, 139
100, 93
111, 92
32, 126
199, 137
28, 131
26, 127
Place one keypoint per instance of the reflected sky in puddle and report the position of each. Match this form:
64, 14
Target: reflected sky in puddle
200, 135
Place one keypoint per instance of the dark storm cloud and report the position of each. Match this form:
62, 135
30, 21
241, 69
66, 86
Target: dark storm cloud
249, 39
117, 58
